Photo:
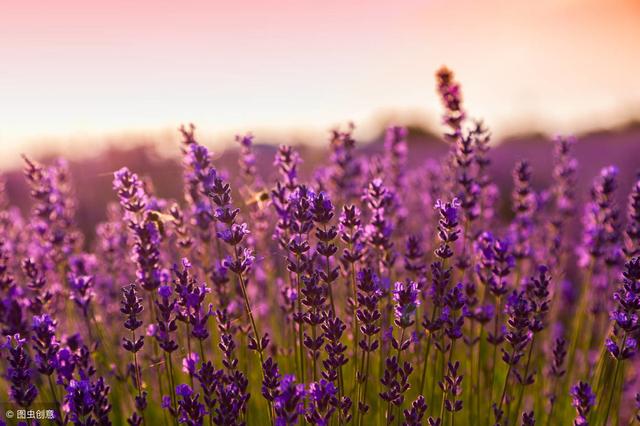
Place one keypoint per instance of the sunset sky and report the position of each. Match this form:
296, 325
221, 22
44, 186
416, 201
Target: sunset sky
76, 72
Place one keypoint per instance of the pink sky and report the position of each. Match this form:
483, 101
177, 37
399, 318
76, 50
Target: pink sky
78, 70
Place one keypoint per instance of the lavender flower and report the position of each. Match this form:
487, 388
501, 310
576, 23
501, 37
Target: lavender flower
314, 299
451, 98
451, 386
369, 316
395, 144
414, 256
53, 210
448, 231
287, 161
528, 418
632, 232
395, 380
539, 298
564, 171
351, 234
11, 316
23, 392
45, 344
271, 380
481, 137
518, 335
181, 229
347, 168
82, 288
559, 353
41, 296
144, 227
468, 191
80, 401
130, 191
233, 394
289, 404
378, 231
518, 325
333, 328
190, 410
166, 320
601, 218
247, 161
322, 402
556, 370
323, 211
496, 264
414, 415
191, 307
405, 298
101, 406
622, 344
232, 401
524, 206
583, 400
131, 306
234, 234
210, 380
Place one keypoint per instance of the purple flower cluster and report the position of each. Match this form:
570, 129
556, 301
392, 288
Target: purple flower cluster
293, 295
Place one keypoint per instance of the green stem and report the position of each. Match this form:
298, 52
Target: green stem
156, 355
618, 397
423, 381
581, 313
135, 365
356, 336
550, 414
54, 395
363, 397
524, 378
253, 327
613, 391
433, 379
172, 380
504, 388
203, 358
495, 345
313, 355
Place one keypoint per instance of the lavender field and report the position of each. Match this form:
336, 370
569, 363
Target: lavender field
422, 283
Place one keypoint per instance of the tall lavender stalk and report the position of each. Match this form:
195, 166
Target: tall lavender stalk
517, 337
369, 294
448, 233
583, 400
600, 230
233, 234
564, 198
397, 372
632, 232
19, 372
131, 306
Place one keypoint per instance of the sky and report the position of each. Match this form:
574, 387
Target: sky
74, 73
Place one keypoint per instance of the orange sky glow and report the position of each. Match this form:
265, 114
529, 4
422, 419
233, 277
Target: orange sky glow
76, 71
